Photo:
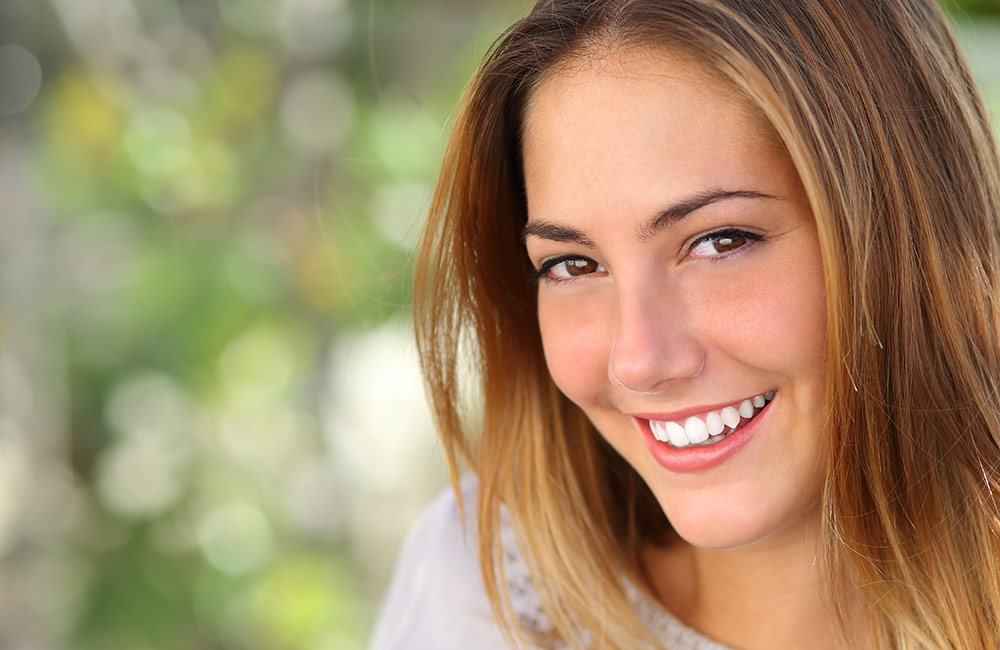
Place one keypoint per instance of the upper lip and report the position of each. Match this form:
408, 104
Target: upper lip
683, 414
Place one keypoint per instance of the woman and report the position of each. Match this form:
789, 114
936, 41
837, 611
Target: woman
747, 396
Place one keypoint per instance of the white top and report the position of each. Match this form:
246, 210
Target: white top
436, 599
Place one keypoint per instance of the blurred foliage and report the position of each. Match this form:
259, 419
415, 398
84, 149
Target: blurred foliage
211, 198
210, 209
977, 7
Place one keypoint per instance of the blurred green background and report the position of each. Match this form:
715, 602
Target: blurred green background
212, 431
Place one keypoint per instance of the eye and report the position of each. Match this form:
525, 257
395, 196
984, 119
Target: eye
722, 242
567, 267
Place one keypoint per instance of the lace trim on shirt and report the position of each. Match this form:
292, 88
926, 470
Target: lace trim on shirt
524, 597
529, 611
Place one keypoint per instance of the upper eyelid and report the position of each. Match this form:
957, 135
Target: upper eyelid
551, 261
718, 232
724, 229
542, 272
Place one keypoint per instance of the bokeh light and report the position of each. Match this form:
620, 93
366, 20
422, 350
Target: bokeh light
20, 78
317, 112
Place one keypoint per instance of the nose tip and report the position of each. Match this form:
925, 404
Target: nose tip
648, 358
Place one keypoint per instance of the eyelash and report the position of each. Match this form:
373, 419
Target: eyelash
726, 233
542, 273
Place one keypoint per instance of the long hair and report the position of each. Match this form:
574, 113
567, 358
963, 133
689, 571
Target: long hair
883, 124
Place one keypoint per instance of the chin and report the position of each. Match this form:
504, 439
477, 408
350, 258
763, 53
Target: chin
721, 526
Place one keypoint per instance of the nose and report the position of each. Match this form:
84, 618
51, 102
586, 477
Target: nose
654, 347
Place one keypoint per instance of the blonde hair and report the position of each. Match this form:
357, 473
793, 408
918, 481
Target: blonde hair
881, 119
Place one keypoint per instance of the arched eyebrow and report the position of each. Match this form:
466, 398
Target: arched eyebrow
545, 230
678, 211
666, 217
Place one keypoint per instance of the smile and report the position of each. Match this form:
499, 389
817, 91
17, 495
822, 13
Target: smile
711, 427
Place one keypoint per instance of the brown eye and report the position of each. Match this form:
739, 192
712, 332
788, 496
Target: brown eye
568, 267
721, 243
731, 243
580, 267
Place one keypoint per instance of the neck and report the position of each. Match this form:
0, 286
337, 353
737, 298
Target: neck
767, 595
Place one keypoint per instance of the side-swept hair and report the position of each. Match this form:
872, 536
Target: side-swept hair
890, 139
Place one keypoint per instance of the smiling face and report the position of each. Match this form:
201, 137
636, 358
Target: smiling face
680, 299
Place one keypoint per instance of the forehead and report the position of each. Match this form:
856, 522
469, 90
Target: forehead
638, 123
599, 74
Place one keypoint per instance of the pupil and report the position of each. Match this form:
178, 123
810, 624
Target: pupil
580, 267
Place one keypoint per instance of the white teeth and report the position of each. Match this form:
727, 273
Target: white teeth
714, 423
678, 437
659, 430
730, 417
696, 430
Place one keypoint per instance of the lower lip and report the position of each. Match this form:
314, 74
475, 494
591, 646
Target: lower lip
698, 458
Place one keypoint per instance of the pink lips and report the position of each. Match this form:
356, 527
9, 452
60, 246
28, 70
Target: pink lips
697, 458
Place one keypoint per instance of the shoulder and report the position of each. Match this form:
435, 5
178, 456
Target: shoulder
436, 598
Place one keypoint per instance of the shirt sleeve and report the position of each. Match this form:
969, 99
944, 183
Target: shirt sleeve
436, 600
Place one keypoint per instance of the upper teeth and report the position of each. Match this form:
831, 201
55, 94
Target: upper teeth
709, 427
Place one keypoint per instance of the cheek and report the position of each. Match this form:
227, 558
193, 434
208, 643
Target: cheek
774, 318
576, 344
792, 318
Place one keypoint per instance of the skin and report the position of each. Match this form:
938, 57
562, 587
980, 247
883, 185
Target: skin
659, 317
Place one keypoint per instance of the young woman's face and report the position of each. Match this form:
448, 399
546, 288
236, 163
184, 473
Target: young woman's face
680, 299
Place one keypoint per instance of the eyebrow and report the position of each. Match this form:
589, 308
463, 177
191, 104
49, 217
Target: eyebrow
666, 217
546, 230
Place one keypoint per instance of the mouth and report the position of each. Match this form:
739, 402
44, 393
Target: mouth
711, 427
